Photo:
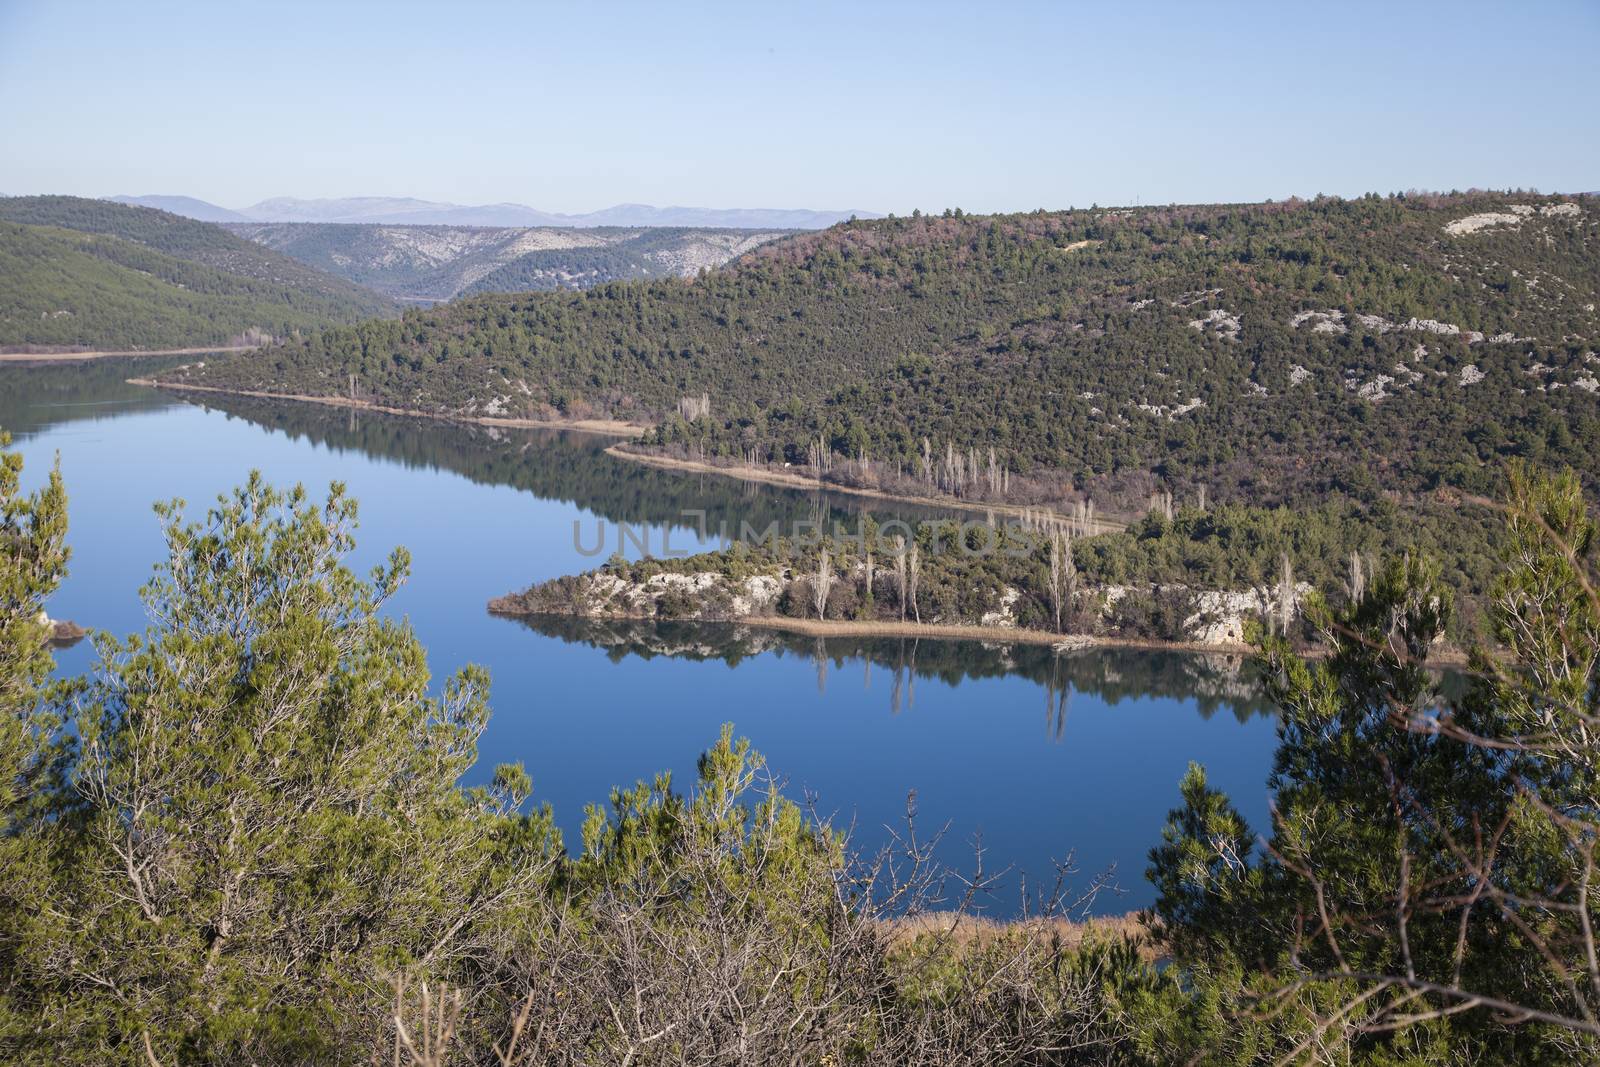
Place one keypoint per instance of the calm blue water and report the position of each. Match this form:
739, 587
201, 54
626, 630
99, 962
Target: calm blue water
1037, 756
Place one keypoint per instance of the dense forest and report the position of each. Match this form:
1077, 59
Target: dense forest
89, 273
1262, 353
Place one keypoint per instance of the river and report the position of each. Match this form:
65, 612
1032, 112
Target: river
1035, 757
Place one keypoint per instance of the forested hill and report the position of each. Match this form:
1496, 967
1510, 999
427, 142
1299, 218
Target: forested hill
1261, 353
78, 272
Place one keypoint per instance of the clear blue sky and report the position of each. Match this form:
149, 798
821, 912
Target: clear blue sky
988, 106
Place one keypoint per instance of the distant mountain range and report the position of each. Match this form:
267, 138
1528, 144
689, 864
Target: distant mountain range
406, 211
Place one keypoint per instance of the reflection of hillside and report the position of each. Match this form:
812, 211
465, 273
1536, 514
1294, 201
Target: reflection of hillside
1213, 682
34, 398
561, 465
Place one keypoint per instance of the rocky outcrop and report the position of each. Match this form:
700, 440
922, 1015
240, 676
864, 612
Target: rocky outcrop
1221, 617
60, 632
1221, 321
426, 263
1513, 217
1216, 617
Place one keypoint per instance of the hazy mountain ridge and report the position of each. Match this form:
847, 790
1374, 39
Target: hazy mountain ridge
187, 206
426, 264
409, 211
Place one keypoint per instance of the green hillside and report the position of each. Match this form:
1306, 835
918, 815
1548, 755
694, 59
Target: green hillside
76, 272
1261, 353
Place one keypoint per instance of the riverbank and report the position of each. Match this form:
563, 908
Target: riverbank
999, 634
618, 428
502, 606
1016, 635
609, 427
788, 480
824, 628
78, 357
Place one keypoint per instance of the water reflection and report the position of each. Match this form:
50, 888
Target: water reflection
36, 397
1211, 683
566, 465
857, 723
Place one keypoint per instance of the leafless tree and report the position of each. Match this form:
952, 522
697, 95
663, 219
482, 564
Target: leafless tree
1286, 594
914, 573
1063, 573
868, 572
822, 584
1356, 587
695, 407
900, 572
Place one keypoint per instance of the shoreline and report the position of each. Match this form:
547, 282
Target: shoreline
629, 430
1010, 635
800, 481
1013, 635
80, 357
1006, 635
611, 427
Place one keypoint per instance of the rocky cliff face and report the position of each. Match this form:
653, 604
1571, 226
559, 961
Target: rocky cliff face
1219, 618
426, 264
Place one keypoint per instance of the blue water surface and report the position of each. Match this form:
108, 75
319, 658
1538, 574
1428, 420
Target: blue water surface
1034, 756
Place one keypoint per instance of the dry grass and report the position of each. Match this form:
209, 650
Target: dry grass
963, 929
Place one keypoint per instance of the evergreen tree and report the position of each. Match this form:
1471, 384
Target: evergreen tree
33, 558
264, 827
1425, 893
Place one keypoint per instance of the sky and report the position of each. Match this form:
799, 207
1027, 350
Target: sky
873, 106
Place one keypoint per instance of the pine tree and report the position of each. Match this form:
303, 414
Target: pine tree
266, 816
33, 558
